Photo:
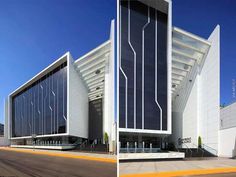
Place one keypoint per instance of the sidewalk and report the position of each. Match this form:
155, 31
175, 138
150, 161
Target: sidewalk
184, 167
67, 154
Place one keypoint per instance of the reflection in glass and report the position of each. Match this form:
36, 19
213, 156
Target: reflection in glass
41, 108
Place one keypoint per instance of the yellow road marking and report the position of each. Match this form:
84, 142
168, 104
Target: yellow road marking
74, 156
184, 172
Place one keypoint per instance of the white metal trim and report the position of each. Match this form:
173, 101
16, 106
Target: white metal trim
143, 36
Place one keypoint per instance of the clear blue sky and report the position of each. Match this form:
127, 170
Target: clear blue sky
33, 34
200, 17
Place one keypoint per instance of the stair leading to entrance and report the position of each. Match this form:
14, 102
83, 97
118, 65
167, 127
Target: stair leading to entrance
196, 152
93, 148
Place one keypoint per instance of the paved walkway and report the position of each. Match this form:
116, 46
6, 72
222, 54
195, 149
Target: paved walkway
68, 154
154, 167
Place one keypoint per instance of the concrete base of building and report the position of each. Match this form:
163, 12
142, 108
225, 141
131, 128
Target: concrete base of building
148, 156
65, 147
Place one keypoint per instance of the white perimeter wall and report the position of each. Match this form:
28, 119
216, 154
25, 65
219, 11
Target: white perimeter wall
227, 142
77, 107
228, 116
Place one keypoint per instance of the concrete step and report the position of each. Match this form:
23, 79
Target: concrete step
148, 156
194, 152
94, 148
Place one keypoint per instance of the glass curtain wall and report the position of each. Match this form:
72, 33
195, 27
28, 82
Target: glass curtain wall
41, 109
96, 120
143, 67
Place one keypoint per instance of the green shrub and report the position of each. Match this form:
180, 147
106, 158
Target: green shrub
199, 142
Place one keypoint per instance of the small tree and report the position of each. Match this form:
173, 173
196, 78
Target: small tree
199, 142
106, 139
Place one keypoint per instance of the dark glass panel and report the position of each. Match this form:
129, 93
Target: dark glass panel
138, 19
41, 108
95, 120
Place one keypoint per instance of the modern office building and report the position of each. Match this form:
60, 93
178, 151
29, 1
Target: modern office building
144, 72
67, 103
169, 80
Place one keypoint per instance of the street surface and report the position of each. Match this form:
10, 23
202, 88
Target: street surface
17, 164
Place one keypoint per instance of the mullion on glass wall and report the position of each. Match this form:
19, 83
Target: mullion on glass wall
41, 108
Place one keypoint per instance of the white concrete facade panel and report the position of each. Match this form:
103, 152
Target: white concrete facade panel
227, 139
77, 103
109, 91
210, 93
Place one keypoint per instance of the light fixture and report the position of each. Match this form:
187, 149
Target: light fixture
186, 67
97, 71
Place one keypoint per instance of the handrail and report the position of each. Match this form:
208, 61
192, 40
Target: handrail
191, 152
208, 147
92, 145
176, 147
83, 144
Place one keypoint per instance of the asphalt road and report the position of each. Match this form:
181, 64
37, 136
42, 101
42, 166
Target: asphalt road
215, 175
17, 164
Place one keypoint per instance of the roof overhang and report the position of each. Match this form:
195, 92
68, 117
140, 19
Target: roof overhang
92, 68
187, 51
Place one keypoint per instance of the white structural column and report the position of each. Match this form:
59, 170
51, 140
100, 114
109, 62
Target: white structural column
143, 63
109, 85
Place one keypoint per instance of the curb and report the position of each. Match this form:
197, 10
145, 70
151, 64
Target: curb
184, 172
100, 159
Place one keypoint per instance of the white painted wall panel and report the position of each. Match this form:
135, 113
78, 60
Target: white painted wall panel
190, 116
109, 91
228, 116
77, 103
227, 139
210, 93
185, 110
196, 108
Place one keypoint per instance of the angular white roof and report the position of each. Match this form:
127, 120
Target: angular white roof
92, 68
187, 50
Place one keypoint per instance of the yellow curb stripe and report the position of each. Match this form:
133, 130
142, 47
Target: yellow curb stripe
184, 172
100, 159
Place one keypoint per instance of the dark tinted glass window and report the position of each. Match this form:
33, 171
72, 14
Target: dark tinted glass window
143, 67
95, 119
41, 108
